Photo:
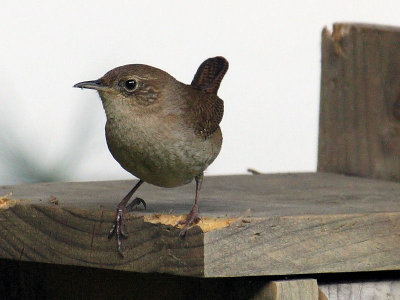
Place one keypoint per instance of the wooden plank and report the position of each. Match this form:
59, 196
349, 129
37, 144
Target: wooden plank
322, 295
252, 225
304, 289
362, 290
359, 130
265, 195
304, 245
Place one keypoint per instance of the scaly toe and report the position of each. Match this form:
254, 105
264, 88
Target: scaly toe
190, 220
118, 229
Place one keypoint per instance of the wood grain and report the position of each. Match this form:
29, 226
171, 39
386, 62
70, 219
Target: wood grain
305, 245
360, 97
285, 224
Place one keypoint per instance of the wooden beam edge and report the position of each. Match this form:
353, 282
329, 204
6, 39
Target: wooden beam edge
310, 244
155, 246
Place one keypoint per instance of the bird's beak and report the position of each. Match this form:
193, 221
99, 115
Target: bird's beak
92, 84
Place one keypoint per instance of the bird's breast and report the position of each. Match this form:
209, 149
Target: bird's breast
161, 151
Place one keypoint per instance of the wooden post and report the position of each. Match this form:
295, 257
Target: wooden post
305, 289
360, 101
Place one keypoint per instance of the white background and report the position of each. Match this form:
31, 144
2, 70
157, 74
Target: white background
271, 90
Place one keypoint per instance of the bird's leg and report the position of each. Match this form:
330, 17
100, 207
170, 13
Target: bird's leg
193, 216
119, 224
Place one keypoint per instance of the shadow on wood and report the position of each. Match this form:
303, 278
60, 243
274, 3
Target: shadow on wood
22, 280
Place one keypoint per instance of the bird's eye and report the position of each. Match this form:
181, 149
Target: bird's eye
130, 85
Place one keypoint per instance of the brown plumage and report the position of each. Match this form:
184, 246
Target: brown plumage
162, 131
209, 109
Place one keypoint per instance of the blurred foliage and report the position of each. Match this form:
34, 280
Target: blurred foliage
19, 163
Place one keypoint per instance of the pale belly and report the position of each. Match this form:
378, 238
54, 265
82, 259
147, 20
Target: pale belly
161, 156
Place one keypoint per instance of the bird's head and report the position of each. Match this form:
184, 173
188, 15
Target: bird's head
134, 86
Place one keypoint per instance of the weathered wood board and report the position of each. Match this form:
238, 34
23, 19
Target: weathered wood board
267, 225
305, 289
359, 128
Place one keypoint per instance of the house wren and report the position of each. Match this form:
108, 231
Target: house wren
161, 130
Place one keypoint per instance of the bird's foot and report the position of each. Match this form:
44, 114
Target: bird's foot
191, 219
118, 227
134, 203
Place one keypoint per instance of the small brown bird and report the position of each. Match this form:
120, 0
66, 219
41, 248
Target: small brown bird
161, 130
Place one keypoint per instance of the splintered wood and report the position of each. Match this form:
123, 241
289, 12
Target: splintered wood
206, 224
6, 202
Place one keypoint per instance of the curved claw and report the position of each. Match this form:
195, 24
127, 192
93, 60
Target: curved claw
118, 229
191, 219
188, 223
136, 202
112, 231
